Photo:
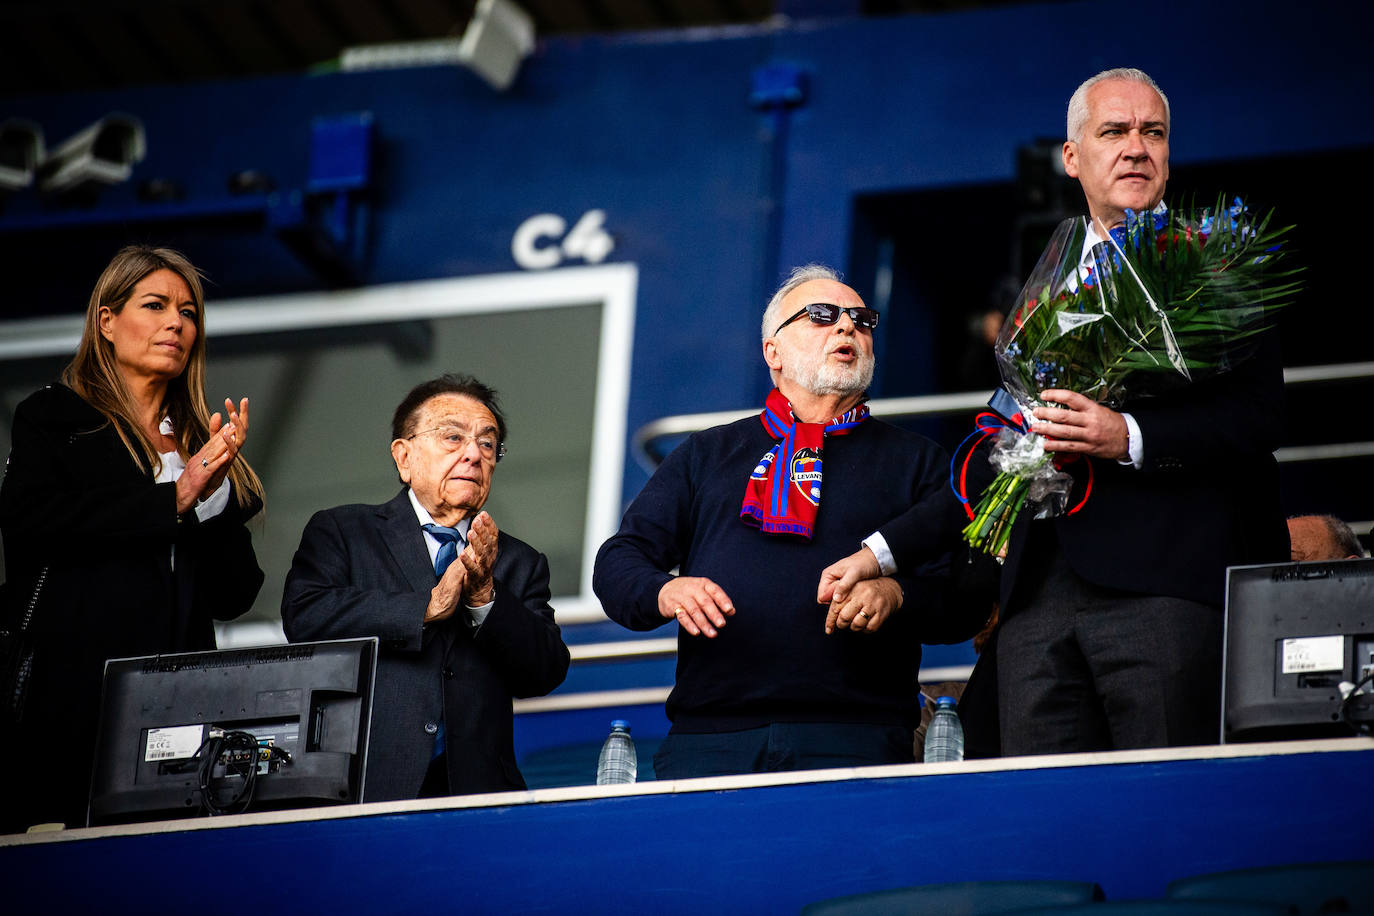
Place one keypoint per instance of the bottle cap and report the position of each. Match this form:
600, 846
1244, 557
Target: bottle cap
946, 701
620, 723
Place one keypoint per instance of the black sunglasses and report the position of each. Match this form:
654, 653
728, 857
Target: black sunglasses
826, 313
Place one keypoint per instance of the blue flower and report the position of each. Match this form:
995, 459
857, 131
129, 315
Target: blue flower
1134, 222
1161, 215
1239, 227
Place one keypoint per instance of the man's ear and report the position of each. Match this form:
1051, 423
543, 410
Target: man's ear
1069, 154
400, 453
771, 356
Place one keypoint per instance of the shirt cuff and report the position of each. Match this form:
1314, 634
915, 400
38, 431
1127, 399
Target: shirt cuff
878, 544
479, 614
1135, 443
214, 504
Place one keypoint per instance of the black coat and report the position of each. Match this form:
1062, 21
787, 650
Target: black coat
365, 571
75, 504
1207, 496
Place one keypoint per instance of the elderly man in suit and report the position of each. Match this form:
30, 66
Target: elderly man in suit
462, 610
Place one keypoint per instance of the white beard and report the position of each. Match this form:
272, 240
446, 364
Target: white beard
824, 378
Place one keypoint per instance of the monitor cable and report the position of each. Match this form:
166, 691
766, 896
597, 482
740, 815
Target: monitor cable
1357, 706
242, 754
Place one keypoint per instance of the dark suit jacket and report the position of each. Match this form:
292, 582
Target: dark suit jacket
76, 505
365, 571
1206, 498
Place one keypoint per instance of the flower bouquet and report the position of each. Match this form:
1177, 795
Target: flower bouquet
1166, 299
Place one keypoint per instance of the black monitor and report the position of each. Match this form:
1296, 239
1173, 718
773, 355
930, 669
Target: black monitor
1294, 632
177, 731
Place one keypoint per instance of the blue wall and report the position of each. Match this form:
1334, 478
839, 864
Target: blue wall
658, 131
1130, 827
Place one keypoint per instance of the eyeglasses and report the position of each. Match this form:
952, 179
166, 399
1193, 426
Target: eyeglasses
453, 439
826, 313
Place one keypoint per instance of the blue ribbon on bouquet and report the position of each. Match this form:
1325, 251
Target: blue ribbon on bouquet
1005, 414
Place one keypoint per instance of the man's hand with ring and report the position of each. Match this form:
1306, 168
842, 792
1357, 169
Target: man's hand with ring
699, 605
868, 606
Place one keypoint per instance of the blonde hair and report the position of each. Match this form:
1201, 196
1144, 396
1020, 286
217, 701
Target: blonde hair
94, 374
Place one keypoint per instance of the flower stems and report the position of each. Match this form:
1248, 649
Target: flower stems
997, 511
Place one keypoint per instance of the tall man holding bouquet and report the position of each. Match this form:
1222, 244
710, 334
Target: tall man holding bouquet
780, 666
1111, 628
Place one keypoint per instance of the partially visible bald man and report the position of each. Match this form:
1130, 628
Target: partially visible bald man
1322, 537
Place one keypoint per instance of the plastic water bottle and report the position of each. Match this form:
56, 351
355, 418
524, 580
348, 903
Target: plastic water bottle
945, 734
618, 763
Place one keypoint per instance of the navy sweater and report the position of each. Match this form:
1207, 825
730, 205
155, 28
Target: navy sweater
772, 661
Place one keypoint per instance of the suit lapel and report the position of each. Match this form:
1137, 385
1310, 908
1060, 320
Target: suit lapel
401, 533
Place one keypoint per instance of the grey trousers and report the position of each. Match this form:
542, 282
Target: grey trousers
1082, 667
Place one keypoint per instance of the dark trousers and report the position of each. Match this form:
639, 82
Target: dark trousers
1081, 667
435, 784
781, 746
978, 706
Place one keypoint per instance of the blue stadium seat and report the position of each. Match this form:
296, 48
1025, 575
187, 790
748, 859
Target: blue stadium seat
1324, 887
1160, 907
966, 898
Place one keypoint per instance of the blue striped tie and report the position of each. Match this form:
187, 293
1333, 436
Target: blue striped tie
450, 542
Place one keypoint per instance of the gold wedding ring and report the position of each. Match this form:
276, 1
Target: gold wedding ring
678, 612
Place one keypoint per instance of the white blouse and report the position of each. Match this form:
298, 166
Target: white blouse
172, 467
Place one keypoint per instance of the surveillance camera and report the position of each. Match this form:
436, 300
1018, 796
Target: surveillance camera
21, 149
499, 36
105, 152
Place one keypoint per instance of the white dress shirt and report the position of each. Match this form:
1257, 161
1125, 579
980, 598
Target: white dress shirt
1135, 443
173, 465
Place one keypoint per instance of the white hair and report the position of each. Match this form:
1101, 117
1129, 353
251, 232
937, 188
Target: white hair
1078, 103
804, 274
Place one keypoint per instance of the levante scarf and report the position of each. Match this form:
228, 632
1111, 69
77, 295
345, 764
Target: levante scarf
784, 492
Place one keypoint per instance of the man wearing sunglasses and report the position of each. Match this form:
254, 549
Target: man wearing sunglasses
461, 608
773, 671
